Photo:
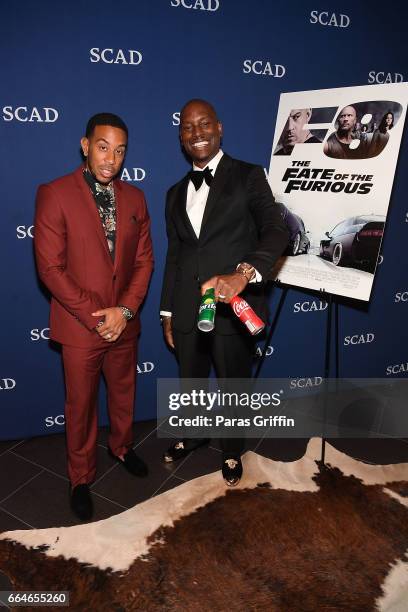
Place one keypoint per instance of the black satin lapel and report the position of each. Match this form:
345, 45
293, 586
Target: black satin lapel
216, 189
181, 197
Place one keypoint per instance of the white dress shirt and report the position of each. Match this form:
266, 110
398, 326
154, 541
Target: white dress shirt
196, 200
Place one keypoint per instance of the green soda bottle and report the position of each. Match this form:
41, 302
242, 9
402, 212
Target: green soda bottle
206, 313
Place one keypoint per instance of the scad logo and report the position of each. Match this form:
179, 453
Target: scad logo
359, 339
384, 77
398, 368
304, 383
30, 114
325, 18
59, 420
314, 306
133, 174
115, 56
202, 5
39, 334
145, 368
7, 384
25, 231
263, 67
401, 296
268, 351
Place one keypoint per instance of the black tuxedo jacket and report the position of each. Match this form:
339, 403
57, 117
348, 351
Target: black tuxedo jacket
240, 223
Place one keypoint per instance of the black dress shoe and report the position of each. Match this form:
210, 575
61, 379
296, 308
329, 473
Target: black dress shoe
231, 470
81, 502
132, 463
182, 448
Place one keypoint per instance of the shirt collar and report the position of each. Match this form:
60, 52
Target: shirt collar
212, 164
93, 183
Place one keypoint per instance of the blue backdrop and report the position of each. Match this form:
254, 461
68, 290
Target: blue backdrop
142, 60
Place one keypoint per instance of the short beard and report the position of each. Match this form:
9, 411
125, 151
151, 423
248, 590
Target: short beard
96, 179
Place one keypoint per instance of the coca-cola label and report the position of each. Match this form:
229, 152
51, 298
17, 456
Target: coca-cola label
239, 307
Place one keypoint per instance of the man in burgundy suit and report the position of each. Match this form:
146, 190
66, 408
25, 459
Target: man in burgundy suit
94, 254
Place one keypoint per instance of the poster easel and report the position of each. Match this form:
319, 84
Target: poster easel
330, 299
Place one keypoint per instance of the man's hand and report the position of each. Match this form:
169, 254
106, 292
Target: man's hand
225, 286
168, 331
113, 325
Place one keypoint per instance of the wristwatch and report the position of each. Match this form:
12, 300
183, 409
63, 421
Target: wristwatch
127, 313
246, 270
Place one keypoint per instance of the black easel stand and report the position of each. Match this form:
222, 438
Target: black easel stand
271, 331
329, 299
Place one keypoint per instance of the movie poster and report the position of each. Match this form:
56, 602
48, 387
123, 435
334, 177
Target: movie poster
332, 168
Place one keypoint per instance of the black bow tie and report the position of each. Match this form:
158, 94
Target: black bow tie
198, 176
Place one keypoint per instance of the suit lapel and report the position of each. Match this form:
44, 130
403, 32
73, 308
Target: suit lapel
90, 206
216, 189
181, 208
120, 216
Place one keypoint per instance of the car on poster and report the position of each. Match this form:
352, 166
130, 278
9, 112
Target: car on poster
298, 235
354, 242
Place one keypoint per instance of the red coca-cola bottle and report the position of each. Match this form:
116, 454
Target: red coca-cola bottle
246, 314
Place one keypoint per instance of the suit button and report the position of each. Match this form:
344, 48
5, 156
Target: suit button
114, 277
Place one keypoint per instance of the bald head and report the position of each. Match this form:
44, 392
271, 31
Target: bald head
347, 120
202, 103
294, 131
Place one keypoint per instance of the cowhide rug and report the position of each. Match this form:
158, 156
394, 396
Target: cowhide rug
293, 537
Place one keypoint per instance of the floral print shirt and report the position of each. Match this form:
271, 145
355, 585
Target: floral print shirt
104, 197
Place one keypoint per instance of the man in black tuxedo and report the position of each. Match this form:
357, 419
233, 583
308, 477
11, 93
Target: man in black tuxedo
224, 231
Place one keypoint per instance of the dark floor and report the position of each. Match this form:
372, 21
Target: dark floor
34, 488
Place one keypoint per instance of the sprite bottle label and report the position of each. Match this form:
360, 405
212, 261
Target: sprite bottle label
206, 313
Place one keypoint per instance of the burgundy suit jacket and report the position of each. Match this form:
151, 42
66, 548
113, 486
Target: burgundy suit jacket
73, 258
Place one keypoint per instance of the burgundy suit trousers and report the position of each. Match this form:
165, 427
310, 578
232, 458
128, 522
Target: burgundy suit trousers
83, 368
